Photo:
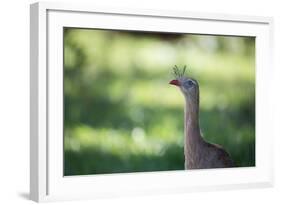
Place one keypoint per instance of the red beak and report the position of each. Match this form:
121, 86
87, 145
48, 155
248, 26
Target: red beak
175, 82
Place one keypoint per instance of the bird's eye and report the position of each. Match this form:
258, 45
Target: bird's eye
190, 83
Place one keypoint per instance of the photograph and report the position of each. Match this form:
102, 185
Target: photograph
148, 101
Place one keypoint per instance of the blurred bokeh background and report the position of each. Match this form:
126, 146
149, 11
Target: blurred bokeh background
121, 115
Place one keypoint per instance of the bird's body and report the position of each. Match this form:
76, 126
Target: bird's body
207, 155
199, 154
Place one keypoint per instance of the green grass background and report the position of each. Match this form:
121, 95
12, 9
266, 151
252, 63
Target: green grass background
121, 115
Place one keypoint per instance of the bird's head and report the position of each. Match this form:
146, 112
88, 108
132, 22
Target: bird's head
187, 85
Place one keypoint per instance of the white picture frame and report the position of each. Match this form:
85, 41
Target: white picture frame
47, 182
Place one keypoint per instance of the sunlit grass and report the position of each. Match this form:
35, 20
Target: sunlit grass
117, 142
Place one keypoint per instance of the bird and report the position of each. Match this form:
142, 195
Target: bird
198, 153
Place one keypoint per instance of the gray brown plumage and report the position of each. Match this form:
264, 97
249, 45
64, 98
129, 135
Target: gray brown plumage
199, 154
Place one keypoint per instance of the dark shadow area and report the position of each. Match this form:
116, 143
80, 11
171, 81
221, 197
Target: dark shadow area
24, 195
172, 159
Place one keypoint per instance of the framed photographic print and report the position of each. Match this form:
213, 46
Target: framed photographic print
127, 102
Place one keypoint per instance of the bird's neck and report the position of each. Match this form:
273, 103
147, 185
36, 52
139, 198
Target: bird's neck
191, 123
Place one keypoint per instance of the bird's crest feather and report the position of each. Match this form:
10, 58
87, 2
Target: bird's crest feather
178, 72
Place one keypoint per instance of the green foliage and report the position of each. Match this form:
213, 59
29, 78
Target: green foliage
121, 115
